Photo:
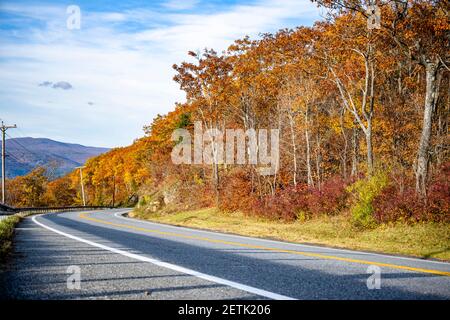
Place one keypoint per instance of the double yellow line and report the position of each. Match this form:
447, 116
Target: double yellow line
244, 245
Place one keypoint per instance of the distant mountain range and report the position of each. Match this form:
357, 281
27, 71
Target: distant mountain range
24, 154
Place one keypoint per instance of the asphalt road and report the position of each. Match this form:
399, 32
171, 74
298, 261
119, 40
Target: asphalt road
123, 258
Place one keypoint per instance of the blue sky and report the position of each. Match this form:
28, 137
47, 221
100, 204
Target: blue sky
100, 84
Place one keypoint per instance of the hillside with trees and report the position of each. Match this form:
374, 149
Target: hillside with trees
25, 153
362, 115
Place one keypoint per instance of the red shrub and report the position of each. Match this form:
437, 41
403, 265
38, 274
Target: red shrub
285, 204
330, 199
393, 205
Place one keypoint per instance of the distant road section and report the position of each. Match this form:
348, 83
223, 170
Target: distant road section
123, 258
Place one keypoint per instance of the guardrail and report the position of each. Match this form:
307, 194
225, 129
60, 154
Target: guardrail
7, 210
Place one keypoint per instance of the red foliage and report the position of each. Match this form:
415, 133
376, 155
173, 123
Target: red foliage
236, 192
329, 199
288, 203
393, 204
285, 205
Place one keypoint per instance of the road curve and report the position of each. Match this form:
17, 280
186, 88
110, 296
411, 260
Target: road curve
123, 258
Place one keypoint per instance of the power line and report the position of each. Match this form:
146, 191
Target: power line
8, 154
21, 145
22, 133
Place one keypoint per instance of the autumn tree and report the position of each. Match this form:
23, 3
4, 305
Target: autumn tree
418, 27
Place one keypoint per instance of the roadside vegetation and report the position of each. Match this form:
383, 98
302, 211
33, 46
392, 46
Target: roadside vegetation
363, 214
6, 235
423, 240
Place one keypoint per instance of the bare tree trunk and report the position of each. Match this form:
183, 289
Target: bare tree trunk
294, 148
355, 152
308, 150
431, 70
367, 101
275, 176
318, 162
344, 153
216, 182
369, 147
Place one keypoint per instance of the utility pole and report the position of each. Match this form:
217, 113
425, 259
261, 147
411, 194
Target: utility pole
4, 128
82, 184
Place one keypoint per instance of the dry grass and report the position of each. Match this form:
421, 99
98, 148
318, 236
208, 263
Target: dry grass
425, 240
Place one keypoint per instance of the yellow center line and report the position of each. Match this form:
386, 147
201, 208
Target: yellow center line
238, 244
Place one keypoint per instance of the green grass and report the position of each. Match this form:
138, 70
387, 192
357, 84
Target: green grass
425, 240
6, 235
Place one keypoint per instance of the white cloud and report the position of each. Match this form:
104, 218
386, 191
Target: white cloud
181, 5
126, 72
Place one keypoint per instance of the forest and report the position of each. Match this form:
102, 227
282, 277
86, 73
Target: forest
362, 115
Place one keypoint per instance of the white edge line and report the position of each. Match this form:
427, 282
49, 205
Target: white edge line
120, 215
174, 267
